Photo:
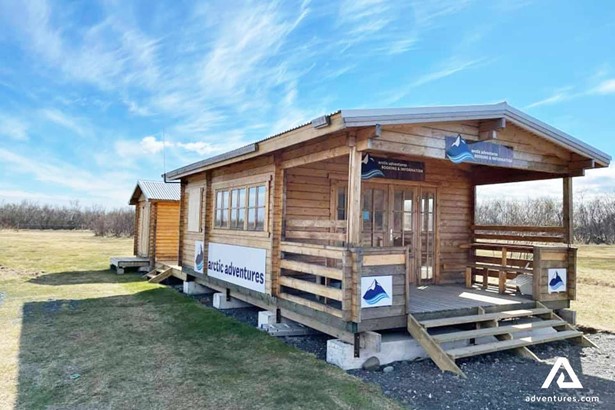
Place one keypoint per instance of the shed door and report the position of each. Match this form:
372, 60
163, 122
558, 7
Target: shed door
144, 230
398, 215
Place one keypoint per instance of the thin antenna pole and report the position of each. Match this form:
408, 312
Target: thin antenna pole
164, 157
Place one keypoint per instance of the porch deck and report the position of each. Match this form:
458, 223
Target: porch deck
438, 298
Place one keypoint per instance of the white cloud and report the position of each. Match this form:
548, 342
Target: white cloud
605, 87
13, 128
64, 120
110, 187
560, 95
451, 67
595, 182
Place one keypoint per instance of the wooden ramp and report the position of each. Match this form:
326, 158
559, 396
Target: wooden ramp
502, 325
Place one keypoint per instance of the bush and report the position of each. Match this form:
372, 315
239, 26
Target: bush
594, 219
31, 215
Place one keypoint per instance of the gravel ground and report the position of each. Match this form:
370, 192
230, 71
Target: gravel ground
496, 381
504, 380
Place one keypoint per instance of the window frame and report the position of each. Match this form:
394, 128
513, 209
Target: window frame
200, 190
244, 184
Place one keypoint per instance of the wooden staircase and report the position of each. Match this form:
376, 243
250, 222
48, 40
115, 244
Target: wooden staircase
503, 325
160, 273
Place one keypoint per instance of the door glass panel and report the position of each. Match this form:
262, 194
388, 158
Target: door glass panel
427, 254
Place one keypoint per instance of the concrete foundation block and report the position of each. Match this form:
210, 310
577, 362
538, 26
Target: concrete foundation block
267, 317
395, 347
568, 315
220, 302
119, 271
193, 288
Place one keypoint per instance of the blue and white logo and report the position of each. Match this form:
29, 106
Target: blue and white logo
377, 291
459, 151
557, 280
199, 256
370, 168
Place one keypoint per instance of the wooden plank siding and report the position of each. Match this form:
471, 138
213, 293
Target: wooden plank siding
167, 230
302, 199
188, 237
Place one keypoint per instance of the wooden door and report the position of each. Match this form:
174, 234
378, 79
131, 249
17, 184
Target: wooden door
143, 248
426, 257
374, 215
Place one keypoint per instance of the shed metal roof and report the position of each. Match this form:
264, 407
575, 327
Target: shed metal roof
155, 190
371, 117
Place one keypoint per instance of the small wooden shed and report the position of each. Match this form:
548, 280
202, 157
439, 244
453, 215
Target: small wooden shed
363, 221
156, 235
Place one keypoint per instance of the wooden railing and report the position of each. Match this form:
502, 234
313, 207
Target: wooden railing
520, 234
313, 282
316, 230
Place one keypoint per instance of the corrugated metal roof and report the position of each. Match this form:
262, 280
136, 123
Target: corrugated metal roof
252, 147
371, 117
156, 190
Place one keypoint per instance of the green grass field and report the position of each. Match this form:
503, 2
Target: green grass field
79, 336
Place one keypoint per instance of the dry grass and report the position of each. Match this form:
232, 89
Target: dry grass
79, 336
595, 304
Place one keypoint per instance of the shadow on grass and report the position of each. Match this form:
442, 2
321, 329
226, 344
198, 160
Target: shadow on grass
84, 277
160, 349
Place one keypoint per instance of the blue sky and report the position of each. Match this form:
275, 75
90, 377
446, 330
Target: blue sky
88, 88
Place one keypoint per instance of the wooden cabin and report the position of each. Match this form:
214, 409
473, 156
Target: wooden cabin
363, 220
157, 209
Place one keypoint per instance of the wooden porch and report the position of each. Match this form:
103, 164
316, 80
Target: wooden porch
443, 298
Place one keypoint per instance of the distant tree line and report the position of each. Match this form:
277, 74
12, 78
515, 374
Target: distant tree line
594, 219
32, 215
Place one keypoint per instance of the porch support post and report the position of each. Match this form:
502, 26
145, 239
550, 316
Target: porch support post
567, 213
353, 231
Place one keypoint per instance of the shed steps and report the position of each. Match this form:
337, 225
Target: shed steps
496, 324
498, 330
510, 344
159, 274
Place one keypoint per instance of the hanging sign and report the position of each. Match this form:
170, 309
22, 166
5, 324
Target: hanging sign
241, 265
374, 167
480, 152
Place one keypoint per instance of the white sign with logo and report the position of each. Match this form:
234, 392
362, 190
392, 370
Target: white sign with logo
556, 281
376, 291
199, 256
563, 364
240, 265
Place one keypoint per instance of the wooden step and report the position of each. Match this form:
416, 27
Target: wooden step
494, 331
508, 314
161, 275
510, 344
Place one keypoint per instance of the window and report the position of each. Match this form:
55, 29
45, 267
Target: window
241, 208
341, 203
195, 207
238, 208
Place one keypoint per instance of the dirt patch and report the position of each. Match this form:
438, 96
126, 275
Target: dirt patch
6, 271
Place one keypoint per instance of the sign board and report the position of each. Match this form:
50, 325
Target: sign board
556, 280
376, 291
374, 167
199, 256
240, 265
480, 152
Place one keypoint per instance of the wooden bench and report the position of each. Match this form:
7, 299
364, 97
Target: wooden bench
503, 273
